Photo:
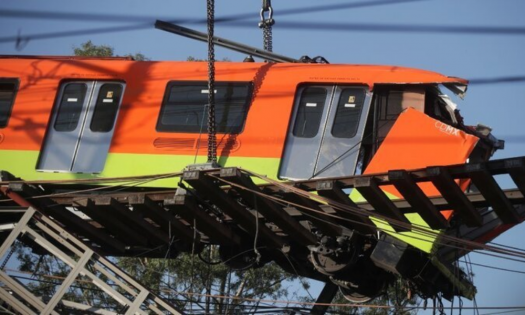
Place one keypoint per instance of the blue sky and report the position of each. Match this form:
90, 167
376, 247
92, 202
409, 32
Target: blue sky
365, 34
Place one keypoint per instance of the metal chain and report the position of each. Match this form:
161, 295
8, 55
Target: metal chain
212, 139
266, 25
268, 40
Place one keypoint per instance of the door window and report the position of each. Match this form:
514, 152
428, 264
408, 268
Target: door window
348, 112
70, 107
106, 107
309, 112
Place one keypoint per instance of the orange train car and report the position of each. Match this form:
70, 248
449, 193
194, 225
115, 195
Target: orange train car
67, 118
70, 117
77, 118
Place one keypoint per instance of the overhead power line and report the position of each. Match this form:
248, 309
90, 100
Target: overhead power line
340, 27
239, 20
342, 6
75, 16
495, 268
404, 28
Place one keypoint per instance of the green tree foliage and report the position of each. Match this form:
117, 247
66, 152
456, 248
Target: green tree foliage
202, 283
88, 49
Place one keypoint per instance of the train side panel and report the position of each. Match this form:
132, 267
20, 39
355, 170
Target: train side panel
137, 148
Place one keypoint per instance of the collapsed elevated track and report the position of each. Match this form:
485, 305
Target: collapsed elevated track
231, 207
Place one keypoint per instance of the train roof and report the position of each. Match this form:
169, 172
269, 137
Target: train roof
53, 57
303, 72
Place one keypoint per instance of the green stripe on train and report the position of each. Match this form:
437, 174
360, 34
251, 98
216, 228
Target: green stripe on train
22, 164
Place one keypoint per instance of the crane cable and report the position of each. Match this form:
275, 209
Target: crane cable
266, 24
212, 139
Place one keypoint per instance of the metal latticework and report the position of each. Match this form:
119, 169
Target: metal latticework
83, 262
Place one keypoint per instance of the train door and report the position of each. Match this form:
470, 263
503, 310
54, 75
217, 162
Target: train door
326, 132
81, 127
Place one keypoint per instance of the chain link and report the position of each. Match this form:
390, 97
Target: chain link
212, 139
266, 25
267, 37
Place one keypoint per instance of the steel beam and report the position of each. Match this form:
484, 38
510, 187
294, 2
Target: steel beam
186, 32
71, 277
20, 192
132, 219
169, 224
54, 234
332, 190
65, 239
487, 185
205, 186
457, 200
267, 208
314, 213
19, 227
369, 189
106, 217
491, 228
22, 292
86, 308
325, 298
76, 247
189, 210
407, 186
71, 263
135, 307
516, 168
14, 303
495, 167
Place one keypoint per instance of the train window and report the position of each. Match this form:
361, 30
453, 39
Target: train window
8, 90
185, 107
70, 108
309, 112
106, 107
389, 105
348, 112
390, 102
436, 107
